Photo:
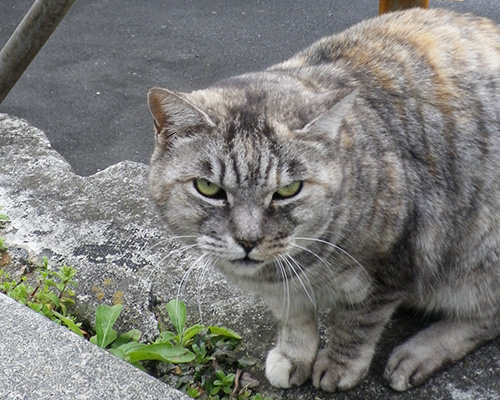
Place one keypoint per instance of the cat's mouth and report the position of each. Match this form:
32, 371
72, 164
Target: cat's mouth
247, 262
242, 268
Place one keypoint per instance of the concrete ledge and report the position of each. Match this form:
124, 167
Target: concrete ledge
42, 360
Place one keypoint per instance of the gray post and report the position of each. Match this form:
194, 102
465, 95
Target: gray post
28, 38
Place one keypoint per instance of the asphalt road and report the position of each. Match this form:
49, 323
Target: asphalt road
87, 87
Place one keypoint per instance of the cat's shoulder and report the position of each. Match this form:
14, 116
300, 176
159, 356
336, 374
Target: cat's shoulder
404, 32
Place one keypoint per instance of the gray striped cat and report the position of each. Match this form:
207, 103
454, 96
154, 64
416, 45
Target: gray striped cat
362, 174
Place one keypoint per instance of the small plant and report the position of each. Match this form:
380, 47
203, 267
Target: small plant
223, 383
51, 295
127, 346
203, 363
3, 218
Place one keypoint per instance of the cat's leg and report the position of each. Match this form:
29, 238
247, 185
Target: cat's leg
355, 330
443, 342
290, 362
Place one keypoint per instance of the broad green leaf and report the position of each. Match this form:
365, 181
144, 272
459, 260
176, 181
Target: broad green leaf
215, 390
220, 374
131, 336
162, 352
226, 332
105, 318
190, 333
124, 350
193, 392
176, 310
69, 323
167, 336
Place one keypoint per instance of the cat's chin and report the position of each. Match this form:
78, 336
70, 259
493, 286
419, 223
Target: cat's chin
244, 267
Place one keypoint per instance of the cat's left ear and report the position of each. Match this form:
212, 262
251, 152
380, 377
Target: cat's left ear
174, 114
329, 122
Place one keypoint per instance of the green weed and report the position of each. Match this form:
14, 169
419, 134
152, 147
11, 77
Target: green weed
50, 296
203, 363
3, 218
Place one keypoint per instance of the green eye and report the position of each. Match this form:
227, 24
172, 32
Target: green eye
208, 189
288, 191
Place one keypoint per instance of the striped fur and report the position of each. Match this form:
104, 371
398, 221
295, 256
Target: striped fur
393, 127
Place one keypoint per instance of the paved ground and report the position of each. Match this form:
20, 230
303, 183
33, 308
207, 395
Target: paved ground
87, 87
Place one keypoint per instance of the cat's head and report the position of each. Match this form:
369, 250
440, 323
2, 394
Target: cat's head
247, 170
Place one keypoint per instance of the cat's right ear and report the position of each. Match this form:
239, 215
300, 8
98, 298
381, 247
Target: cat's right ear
330, 121
174, 114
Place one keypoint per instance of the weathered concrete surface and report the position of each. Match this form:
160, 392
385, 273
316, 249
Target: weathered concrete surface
105, 226
42, 360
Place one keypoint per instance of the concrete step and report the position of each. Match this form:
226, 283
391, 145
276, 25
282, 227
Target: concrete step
42, 360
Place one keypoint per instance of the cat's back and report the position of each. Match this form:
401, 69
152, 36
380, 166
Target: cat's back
429, 93
417, 45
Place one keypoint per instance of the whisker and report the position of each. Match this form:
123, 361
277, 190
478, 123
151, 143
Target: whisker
337, 248
185, 276
326, 263
170, 239
199, 287
203, 263
286, 286
181, 249
208, 264
310, 292
171, 253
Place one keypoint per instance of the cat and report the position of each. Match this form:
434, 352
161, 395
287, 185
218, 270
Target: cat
360, 175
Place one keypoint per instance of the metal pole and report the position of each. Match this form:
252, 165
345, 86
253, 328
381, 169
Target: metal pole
28, 38
395, 5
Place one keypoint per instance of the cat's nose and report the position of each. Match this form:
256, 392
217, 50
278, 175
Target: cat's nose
247, 245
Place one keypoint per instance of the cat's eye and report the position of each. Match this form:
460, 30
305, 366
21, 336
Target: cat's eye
288, 191
209, 189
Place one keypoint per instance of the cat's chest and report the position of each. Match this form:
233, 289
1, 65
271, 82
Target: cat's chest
311, 288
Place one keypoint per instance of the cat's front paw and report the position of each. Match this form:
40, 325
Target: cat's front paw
283, 372
409, 366
413, 362
331, 373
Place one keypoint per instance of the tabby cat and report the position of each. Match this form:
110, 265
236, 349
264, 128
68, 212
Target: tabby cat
360, 175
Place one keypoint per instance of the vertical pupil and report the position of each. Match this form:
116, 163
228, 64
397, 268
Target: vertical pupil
206, 188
